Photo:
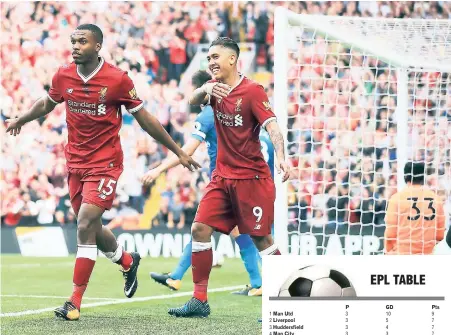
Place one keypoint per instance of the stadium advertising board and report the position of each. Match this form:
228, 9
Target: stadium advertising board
162, 242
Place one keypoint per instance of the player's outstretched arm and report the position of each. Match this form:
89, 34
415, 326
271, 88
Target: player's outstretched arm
39, 109
217, 90
171, 161
276, 137
154, 128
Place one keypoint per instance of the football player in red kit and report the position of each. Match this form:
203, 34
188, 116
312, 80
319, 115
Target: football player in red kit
241, 192
94, 91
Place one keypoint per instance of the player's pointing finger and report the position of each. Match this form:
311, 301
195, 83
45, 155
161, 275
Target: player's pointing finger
285, 176
193, 165
286, 170
196, 164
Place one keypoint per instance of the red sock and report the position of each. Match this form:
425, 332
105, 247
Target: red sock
126, 260
201, 262
84, 264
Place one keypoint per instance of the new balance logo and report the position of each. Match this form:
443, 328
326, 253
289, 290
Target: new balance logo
238, 120
69, 90
257, 226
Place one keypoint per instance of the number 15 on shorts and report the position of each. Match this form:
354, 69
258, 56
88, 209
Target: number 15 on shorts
108, 188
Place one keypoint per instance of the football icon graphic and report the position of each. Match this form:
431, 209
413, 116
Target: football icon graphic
317, 281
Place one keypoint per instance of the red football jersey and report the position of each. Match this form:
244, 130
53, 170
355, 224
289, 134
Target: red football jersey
93, 112
238, 119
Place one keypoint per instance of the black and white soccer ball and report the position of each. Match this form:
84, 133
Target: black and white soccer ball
317, 281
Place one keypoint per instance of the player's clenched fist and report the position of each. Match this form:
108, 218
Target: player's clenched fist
218, 90
14, 126
285, 168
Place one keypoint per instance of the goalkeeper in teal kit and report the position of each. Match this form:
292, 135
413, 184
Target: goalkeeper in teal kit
205, 131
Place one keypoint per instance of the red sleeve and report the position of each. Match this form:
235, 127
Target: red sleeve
55, 91
261, 108
128, 96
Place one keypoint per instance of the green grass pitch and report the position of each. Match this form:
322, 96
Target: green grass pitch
30, 284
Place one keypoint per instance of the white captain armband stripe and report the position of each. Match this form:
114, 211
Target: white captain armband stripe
268, 121
137, 108
55, 102
199, 133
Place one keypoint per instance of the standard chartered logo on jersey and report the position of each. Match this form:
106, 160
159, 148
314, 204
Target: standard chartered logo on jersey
86, 108
230, 120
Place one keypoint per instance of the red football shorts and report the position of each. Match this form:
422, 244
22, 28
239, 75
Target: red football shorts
246, 203
96, 186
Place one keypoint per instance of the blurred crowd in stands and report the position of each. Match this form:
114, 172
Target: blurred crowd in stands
344, 167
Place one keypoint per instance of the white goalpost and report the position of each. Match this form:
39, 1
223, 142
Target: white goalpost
356, 99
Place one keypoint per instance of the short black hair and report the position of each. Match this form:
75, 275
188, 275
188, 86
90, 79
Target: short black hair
96, 31
414, 172
227, 43
200, 78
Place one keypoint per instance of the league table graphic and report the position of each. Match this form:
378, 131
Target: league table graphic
355, 295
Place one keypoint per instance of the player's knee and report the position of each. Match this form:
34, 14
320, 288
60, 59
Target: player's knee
89, 216
201, 232
86, 230
84, 225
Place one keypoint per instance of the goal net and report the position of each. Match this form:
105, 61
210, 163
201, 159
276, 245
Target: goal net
357, 98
